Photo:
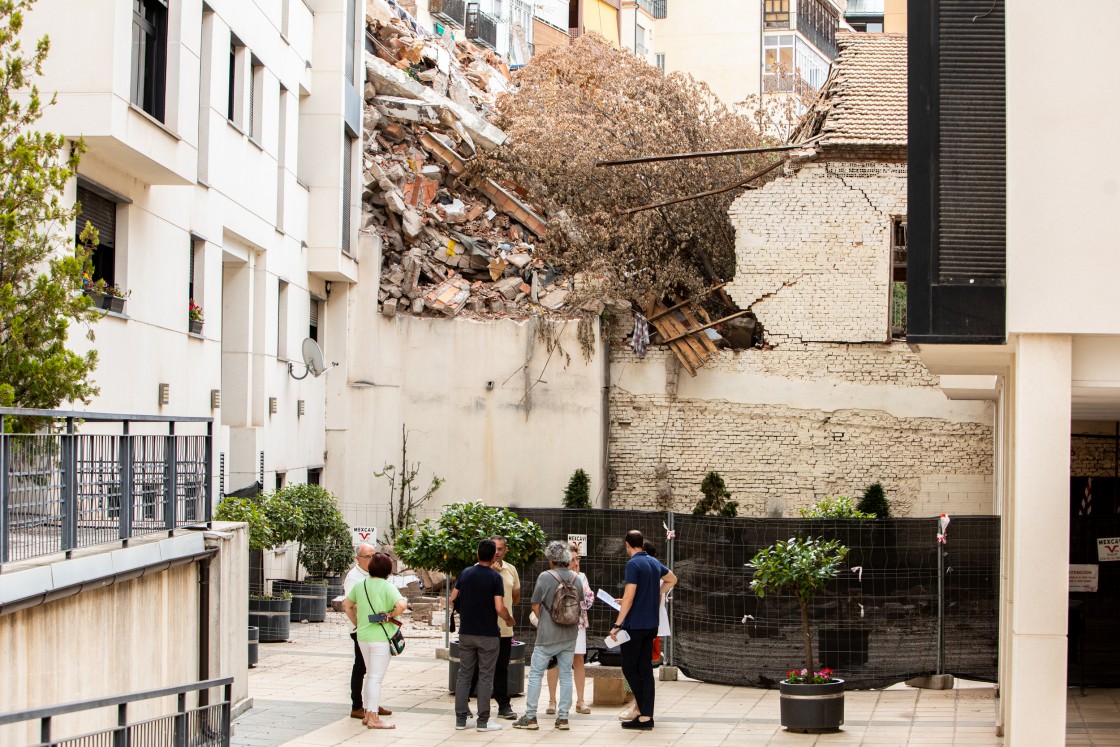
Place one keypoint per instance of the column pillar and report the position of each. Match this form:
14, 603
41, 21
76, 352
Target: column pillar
1039, 541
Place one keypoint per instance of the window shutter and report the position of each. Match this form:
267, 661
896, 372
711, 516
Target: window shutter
347, 157
314, 312
972, 178
351, 37
99, 211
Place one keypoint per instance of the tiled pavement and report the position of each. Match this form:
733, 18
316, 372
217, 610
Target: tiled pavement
300, 692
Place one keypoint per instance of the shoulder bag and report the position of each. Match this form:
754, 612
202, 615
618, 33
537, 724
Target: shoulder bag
396, 641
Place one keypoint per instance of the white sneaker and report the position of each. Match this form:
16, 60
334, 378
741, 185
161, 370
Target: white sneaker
461, 725
488, 726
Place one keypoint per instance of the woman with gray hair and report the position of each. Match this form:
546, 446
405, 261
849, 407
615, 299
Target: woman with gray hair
552, 596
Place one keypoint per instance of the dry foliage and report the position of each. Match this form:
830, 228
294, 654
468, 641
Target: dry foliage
587, 102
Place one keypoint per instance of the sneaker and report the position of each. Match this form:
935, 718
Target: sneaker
527, 722
464, 723
507, 713
562, 724
488, 726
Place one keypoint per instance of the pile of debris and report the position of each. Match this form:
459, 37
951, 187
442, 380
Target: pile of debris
449, 247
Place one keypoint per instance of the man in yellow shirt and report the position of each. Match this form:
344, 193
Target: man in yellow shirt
512, 583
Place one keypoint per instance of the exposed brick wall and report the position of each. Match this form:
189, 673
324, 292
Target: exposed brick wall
1092, 457
814, 246
778, 459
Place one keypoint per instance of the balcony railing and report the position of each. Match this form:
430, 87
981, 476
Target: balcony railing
656, 8
452, 11
61, 490
481, 27
818, 21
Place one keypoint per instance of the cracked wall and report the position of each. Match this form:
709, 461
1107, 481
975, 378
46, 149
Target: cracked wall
834, 405
814, 246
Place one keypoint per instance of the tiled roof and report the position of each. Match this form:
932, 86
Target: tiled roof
863, 102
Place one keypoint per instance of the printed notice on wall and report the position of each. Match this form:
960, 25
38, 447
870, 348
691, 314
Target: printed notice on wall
364, 534
1108, 548
580, 541
1083, 577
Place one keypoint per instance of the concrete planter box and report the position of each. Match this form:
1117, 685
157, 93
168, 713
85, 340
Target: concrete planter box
812, 708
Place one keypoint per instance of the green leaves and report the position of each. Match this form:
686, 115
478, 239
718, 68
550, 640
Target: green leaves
451, 544
837, 507
40, 271
800, 566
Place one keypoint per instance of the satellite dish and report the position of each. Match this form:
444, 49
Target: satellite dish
312, 359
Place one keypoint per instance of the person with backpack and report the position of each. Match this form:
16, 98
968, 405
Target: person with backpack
557, 598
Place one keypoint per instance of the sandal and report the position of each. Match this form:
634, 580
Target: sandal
551, 707
380, 725
581, 707
629, 715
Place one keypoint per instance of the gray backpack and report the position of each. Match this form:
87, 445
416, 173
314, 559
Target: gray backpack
565, 608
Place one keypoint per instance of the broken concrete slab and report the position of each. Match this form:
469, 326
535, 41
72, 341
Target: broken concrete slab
391, 80
554, 299
408, 110
513, 207
449, 296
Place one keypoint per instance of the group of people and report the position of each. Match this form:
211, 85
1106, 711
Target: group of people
485, 594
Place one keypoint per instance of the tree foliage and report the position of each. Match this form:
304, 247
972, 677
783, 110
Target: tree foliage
273, 520
874, 501
802, 567
717, 498
838, 507
41, 271
451, 544
579, 103
405, 498
578, 492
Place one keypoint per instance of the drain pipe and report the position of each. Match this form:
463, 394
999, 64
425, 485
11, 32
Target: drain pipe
203, 629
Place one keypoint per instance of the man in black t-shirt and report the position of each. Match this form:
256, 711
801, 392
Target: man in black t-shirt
479, 592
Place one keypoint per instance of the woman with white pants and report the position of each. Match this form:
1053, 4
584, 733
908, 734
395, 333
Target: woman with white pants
372, 607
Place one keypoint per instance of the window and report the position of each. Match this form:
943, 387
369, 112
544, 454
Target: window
253, 122
347, 190
231, 105
776, 14
194, 282
102, 213
313, 319
350, 63
660, 61
898, 277
315, 476
282, 320
149, 55
281, 479
779, 71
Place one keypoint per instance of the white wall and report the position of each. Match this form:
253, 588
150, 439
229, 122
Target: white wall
719, 44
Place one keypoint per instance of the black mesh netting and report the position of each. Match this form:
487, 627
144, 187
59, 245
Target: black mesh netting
875, 625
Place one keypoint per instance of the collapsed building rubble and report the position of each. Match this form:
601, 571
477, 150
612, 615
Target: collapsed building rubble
449, 246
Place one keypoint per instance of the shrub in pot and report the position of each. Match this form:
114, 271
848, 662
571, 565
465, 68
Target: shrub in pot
811, 699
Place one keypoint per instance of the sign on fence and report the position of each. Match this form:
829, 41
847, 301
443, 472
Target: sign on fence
364, 534
1108, 548
1083, 577
580, 541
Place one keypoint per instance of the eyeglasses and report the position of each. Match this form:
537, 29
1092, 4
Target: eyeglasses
365, 556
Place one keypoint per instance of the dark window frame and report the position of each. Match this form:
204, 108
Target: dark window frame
149, 57
101, 211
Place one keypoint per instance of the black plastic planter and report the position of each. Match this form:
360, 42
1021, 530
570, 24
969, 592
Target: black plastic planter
516, 677
272, 617
812, 708
309, 600
254, 646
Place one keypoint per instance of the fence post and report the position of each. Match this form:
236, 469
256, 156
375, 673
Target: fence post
227, 702
169, 469
69, 489
940, 607
208, 459
180, 729
124, 457
121, 735
4, 491
670, 542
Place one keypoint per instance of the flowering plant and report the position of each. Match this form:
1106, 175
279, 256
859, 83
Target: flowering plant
194, 311
804, 677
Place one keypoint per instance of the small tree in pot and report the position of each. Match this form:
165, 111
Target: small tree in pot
803, 566
451, 544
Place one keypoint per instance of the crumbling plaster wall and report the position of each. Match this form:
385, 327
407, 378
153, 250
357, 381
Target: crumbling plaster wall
814, 251
834, 405
486, 406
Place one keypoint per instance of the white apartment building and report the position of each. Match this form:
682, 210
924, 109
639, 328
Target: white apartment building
223, 143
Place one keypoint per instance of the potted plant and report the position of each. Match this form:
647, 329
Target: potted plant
811, 699
329, 560
195, 317
105, 296
322, 526
272, 521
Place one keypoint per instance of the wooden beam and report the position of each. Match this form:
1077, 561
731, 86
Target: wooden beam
674, 307
707, 154
736, 315
756, 175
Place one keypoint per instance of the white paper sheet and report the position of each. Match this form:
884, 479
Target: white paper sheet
604, 596
622, 637
663, 622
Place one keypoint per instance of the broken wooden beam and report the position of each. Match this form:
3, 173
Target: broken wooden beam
706, 154
703, 327
756, 175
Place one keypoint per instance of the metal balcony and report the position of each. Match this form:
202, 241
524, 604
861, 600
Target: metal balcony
61, 490
452, 11
481, 27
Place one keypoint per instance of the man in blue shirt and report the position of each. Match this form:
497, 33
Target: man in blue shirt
647, 582
479, 592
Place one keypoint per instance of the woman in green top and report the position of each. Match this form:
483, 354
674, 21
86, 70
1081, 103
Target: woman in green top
369, 605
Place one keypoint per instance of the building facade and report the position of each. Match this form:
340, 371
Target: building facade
221, 170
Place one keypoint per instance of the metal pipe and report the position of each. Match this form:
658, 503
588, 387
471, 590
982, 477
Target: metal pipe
940, 607
706, 154
670, 553
204, 628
